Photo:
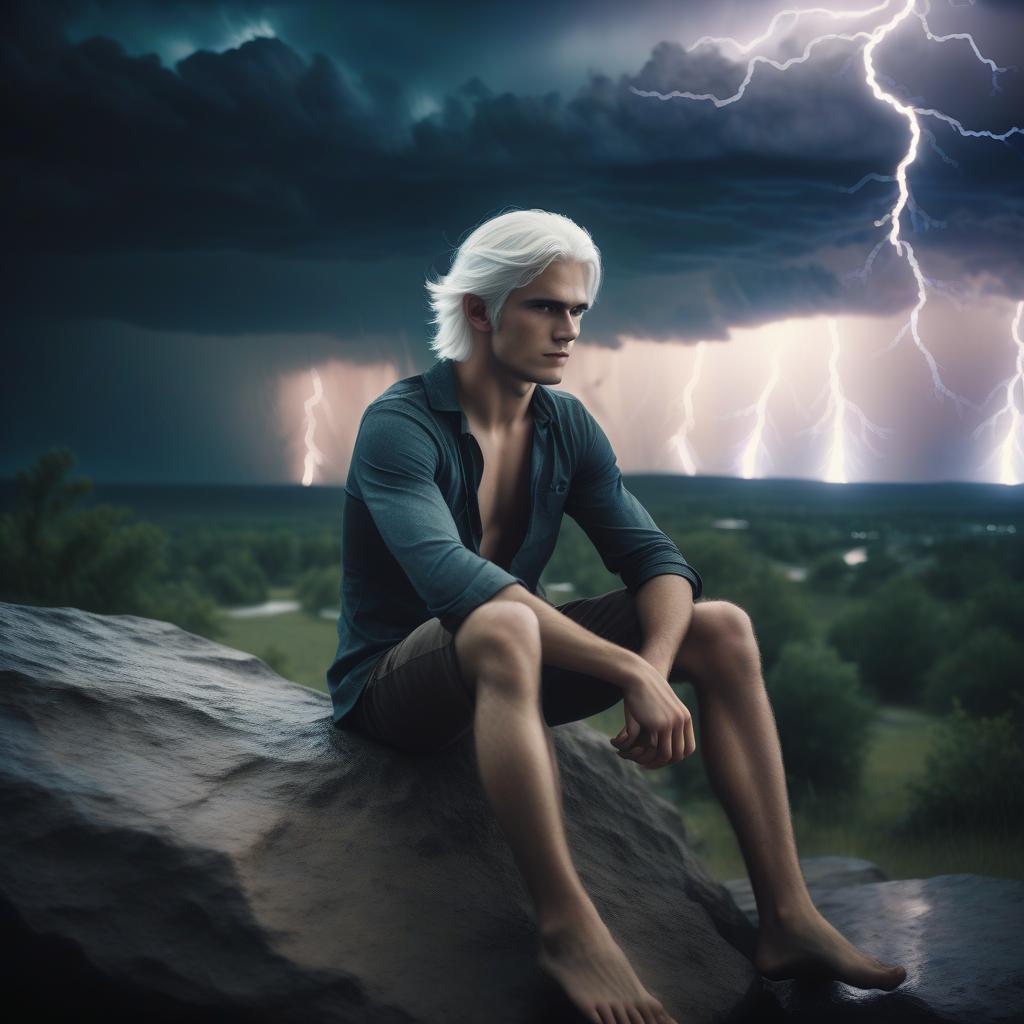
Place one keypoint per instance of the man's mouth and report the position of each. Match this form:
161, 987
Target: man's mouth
556, 355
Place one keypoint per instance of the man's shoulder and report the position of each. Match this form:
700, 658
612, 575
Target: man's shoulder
401, 411
565, 403
405, 399
569, 410
408, 389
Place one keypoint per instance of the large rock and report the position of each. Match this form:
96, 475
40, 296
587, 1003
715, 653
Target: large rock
186, 836
961, 938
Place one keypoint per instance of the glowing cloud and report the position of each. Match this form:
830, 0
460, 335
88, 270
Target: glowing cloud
872, 40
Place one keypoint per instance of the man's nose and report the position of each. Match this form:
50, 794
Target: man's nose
567, 328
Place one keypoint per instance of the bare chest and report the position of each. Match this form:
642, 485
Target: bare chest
504, 493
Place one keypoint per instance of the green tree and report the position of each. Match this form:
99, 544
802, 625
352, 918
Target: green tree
90, 558
984, 672
824, 719
277, 554
997, 602
880, 567
236, 578
829, 573
894, 638
318, 588
55, 554
973, 777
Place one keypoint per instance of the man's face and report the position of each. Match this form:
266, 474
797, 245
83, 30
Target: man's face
540, 318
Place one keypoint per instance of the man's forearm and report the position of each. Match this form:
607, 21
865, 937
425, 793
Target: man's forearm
664, 605
569, 645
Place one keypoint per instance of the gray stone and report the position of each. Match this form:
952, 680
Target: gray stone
819, 873
186, 836
960, 937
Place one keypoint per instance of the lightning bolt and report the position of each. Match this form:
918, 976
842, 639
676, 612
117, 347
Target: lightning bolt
1011, 442
681, 439
838, 410
873, 39
314, 457
755, 443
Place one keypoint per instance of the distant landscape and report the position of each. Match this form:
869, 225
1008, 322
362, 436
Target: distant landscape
890, 620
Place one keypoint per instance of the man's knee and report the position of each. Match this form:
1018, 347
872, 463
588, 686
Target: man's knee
500, 640
721, 637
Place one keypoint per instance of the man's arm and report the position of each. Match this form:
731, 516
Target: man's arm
620, 528
664, 605
659, 729
567, 644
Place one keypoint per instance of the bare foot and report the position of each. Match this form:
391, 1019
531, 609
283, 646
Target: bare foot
587, 963
807, 946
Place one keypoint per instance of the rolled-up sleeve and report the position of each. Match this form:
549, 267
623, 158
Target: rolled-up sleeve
620, 528
393, 471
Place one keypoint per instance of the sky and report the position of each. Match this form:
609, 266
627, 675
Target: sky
209, 206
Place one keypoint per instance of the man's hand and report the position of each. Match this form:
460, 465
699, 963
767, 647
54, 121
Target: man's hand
659, 728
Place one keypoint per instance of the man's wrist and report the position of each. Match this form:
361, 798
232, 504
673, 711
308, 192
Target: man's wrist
626, 669
658, 658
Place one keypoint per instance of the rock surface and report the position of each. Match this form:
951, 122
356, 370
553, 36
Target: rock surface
186, 836
961, 938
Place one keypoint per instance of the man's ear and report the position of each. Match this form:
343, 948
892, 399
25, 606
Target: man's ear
475, 311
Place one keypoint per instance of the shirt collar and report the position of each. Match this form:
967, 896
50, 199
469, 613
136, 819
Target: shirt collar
442, 394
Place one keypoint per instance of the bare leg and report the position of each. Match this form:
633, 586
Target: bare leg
741, 751
499, 649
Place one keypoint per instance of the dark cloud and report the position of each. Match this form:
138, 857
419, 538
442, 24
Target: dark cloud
275, 190
306, 184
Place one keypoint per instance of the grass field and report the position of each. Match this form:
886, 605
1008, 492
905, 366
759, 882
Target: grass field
306, 644
861, 827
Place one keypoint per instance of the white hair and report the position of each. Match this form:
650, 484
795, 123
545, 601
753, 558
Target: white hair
502, 254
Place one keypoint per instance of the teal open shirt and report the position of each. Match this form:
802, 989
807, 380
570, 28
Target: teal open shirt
411, 530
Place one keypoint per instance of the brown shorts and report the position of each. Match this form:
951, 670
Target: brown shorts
417, 700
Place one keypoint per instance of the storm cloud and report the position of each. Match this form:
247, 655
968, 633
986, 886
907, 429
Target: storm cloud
306, 180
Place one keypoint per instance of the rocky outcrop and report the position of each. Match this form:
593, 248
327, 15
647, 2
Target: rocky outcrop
186, 836
959, 936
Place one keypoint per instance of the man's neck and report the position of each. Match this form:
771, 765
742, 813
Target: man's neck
494, 402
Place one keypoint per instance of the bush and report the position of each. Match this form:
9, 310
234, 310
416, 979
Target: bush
984, 673
824, 720
973, 777
277, 554
319, 588
276, 659
236, 578
318, 550
998, 602
829, 573
894, 638
879, 568
179, 602
90, 558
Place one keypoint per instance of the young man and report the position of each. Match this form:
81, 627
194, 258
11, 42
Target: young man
458, 481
